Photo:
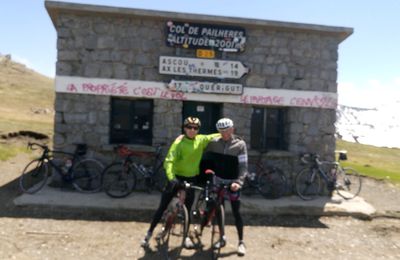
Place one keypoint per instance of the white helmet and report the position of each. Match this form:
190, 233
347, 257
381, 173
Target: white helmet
224, 123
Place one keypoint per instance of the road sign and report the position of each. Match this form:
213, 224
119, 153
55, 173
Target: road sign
225, 69
202, 53
205, 87
206, 36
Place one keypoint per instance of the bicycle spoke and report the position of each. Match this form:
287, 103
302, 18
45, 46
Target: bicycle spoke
33, 177
308, 184
348, 183
118, 181
87, 175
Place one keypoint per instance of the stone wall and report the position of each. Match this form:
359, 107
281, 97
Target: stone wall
128, 47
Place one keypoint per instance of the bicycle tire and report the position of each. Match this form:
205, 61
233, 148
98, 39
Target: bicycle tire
218, 224
175, 229
86, 175
34, 176
272, 183
348, 183
118, 180
308, 184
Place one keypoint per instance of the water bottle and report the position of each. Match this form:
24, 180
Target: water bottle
252, 176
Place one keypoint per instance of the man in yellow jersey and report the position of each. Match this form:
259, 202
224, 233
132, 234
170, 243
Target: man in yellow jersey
181, 164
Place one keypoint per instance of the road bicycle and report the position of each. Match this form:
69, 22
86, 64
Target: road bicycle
269, 181
83, 173
209, 211
346, 181
175, 223
119, 179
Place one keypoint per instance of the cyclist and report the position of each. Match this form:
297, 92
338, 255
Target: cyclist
225, 148
181, 164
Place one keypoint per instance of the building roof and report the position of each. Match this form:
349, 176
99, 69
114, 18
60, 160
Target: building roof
54, 8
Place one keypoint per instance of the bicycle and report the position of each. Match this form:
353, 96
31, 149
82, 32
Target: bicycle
119, 179
269, 181
83, 173
175, 223
210, 211
346, 181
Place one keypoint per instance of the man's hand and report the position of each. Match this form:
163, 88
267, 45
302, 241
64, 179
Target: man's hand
172, 184
235, 186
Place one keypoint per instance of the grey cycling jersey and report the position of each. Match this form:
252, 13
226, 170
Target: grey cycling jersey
235, 147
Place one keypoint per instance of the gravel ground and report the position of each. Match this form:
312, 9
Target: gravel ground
35, 233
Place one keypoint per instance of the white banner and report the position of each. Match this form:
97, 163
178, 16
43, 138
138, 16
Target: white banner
159, 90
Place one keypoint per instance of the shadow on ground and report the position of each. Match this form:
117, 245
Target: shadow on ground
10, 191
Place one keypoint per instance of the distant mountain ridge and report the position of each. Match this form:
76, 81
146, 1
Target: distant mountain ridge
378, 126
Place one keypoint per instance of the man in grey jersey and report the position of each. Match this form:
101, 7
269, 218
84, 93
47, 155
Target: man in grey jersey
226, 147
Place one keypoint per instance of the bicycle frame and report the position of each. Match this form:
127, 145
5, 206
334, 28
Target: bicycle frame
47, 156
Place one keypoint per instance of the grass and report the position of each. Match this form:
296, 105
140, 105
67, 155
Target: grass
23, 93
372, 161
8, 151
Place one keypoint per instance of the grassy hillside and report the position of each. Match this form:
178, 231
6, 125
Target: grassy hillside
377, 162
26, 103
26, 99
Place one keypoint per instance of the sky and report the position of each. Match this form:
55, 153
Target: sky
369, 59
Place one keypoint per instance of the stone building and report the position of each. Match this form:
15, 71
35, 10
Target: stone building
130, 76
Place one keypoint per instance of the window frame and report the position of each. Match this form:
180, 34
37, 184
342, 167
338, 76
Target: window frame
134, 119
261, 138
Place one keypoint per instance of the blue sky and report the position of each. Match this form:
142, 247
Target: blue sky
369, 60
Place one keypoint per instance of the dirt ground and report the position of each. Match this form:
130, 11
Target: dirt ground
37, 233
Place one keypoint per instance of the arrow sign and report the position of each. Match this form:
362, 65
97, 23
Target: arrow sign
225, 69
205, 87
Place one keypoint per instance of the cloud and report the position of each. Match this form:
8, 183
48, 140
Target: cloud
371, 94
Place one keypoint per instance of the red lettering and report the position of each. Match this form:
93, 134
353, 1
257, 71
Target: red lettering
72, 88
264, 100
316, 101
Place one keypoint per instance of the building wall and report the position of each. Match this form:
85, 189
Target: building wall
128, 47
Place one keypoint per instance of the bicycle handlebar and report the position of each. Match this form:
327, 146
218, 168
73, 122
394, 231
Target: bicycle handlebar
315, 158
31, 146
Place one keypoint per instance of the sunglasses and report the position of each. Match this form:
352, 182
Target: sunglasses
192, 127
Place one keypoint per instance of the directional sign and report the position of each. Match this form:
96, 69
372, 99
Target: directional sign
205, 87
225, 69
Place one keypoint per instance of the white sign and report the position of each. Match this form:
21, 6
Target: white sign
159, 90
224, 69
205, 87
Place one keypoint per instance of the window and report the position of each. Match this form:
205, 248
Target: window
131, 121
268, 128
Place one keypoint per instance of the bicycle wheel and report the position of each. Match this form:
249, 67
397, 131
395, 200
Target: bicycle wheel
272, 183
175, 229
86, 175
308, 184
218, 225
348, 183
34, 176
118, 180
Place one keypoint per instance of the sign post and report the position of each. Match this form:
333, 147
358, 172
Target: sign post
205, 87
223, 69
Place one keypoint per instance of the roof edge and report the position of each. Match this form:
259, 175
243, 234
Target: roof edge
55, 7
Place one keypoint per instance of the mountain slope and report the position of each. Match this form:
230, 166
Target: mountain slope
378, 126
26, 99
